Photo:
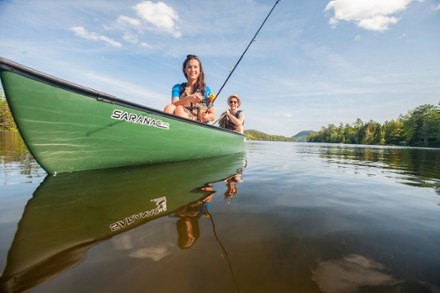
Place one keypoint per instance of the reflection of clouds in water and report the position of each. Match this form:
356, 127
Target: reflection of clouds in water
154, 253
350, 274
151, 244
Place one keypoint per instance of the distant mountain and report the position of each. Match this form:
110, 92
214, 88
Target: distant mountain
252, 134
302, 135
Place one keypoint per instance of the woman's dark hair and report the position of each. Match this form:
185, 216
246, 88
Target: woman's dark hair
200, 83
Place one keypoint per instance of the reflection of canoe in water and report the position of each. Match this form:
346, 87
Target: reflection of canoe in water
68, 127
71, 212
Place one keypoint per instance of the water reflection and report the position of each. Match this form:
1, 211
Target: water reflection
231, 184
188, 223
308, 218
16, 159
412, 166
70, 213
352, 273
12, 147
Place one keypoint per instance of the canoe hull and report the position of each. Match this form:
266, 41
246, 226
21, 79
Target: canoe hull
70, 128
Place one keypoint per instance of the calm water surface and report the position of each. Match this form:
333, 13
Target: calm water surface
284, 217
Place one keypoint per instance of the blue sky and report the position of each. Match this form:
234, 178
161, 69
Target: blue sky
313, 63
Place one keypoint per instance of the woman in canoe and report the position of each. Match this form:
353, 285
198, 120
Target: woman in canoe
233, 118
191, 99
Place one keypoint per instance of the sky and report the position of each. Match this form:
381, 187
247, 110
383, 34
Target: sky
314, 63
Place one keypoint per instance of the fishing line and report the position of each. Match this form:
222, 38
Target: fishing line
242, 55
225, 254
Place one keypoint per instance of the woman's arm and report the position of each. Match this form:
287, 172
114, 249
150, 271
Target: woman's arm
186, 100
177, 101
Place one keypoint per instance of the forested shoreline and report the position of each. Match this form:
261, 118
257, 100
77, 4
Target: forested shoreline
258, 135
419, 127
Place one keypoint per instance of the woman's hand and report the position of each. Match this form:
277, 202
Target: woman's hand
194, 98
207, 116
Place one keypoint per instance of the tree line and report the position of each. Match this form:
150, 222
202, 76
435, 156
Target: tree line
419, 127
258, 135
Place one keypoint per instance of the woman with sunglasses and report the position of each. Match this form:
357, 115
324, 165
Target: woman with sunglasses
233, 118
191, 99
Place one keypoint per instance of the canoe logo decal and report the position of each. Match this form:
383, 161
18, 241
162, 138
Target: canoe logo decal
161, 206
139, 119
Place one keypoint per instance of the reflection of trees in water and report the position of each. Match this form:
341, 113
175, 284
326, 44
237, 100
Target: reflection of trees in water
418, 166
14, 150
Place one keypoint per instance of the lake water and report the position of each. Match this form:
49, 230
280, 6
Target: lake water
283, 217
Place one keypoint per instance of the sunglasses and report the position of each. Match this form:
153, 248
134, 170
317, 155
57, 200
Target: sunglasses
233, 102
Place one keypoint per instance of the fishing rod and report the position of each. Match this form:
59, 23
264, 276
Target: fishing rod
241, 57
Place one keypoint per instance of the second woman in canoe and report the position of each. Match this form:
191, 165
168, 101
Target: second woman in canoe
233, 118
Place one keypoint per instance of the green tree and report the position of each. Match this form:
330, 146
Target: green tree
358, 127
6, 119
350, 134
393, 131
341, 133
422, 126
375, 133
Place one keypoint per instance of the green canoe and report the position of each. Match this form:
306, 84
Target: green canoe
70, 213
69, 128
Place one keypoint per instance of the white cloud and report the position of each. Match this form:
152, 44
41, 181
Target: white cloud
133, 39
160, 15
145, 45
437, 8
130, 37
376, 15
129, 20
377, 22
83, 33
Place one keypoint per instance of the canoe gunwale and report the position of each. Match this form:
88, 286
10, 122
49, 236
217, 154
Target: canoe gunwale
10, 66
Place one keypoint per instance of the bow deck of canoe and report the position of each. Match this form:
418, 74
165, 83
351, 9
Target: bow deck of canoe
69, 128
